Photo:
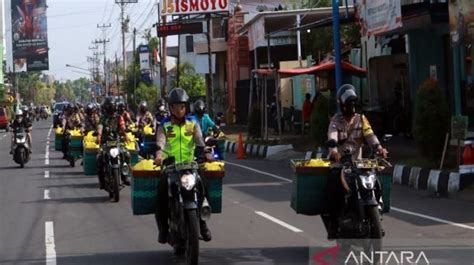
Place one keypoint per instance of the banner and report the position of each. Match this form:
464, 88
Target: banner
379, 16
29, 35
461, 18
144, 56
181, 7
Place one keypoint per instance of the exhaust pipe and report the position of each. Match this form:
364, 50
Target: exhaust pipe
205, 210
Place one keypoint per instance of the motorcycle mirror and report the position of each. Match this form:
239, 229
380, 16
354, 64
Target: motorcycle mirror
387, 137
331, 143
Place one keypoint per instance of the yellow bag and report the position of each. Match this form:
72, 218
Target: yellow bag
148, 130
133, 128
76, 132
146, 165
214, 166
58, 130
90, 141
318, 163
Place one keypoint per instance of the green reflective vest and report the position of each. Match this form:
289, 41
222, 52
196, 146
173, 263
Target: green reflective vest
180, 141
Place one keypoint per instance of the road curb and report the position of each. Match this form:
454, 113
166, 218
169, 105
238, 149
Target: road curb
437, 181
257, 150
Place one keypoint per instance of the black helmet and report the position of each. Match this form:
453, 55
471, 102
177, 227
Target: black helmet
199, 107
177, 95
121, 106
89, 108
143, 106
109, 105
346, 93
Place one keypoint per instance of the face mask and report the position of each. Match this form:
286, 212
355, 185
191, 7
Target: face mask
348, 109
19, 119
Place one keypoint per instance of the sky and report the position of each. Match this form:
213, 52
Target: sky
72, 26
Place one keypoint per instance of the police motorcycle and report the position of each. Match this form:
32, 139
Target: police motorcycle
21, 149
360, 220
187, 205
115, 161
215, 143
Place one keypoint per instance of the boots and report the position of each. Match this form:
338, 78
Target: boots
162, 229
205, 232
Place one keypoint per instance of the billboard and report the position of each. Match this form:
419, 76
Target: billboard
144, 56
182, 7
29, 35
461, 20
378, 16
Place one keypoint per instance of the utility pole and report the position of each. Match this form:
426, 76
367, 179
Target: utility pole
93, 60
134, 65
164, 74
209, 97
117, 73
104, 41
124, 23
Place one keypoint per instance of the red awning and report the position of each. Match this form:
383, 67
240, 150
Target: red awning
324, 67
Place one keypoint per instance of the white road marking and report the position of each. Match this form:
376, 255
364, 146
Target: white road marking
259, 171
393, 208
280, 222
46, 155
49, 242
46, 174
432, 218
46, 195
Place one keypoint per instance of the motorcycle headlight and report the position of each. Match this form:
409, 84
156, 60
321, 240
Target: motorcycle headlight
114, 152
368, 181
188, 181
21, 140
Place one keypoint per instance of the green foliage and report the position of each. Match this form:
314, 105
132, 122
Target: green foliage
64, 91
190, 81
44, 94
320, 121
431, 119
148, 93
255, 120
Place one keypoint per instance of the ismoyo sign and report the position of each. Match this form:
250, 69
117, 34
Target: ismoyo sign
181, 7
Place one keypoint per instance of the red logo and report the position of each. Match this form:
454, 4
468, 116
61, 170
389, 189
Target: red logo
327, 257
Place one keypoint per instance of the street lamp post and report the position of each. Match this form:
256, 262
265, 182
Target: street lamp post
337, 44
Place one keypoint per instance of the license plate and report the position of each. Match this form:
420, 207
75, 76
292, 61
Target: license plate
111, 143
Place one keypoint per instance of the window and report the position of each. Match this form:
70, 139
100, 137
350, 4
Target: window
189, 43
218, 28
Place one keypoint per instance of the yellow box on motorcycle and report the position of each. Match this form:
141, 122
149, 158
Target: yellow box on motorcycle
147, 130
145, 181
309, 191
90, 141
212, 174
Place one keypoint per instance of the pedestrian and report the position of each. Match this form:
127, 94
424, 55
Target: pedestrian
307, 109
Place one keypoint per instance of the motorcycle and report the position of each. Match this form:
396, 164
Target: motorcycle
216, 144
361, 216
185, 189
115, 160
21, 150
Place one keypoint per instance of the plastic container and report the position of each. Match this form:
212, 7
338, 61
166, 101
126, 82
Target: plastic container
58, 142
386, 180
145, 191
468, 154
76, 146
309, 193
90, 162
213, 184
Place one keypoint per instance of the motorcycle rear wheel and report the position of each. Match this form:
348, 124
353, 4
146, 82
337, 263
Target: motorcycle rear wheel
374, 242
192, 239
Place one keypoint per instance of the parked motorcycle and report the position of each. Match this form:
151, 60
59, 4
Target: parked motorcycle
115, 161
361, 216
185, 191
21, 149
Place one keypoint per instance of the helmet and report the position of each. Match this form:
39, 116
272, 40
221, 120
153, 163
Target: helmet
89, 108
143, 106
109, 105
199, 107
19, 112
346, 93
177, 95
121, 106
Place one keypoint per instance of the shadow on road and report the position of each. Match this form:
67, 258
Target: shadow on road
93, 185
85, 200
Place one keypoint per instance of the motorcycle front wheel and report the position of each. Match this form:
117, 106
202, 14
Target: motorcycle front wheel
192, 239
116, 184
374, 242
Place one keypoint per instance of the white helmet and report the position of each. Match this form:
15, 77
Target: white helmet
19, 112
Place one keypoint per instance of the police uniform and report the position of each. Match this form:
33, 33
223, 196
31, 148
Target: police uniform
351, 134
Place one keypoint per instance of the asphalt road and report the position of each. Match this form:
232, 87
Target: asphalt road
53, 214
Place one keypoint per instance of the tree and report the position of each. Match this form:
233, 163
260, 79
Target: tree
189, 80
44, 94
431, 119
147, 93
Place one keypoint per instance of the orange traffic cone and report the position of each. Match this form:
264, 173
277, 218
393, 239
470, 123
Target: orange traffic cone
240, 148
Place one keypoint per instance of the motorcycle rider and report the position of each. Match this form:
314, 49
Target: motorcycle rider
122, 111
183, 148
204, 120
20, 122
144, 116
111, 122
161, 111
349, 129
71, 120
92, 119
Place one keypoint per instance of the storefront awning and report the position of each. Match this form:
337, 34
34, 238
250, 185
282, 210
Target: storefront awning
324, 67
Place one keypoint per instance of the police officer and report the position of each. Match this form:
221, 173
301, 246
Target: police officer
92, 119
206, 123
144, 116
349, 129
180, 136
